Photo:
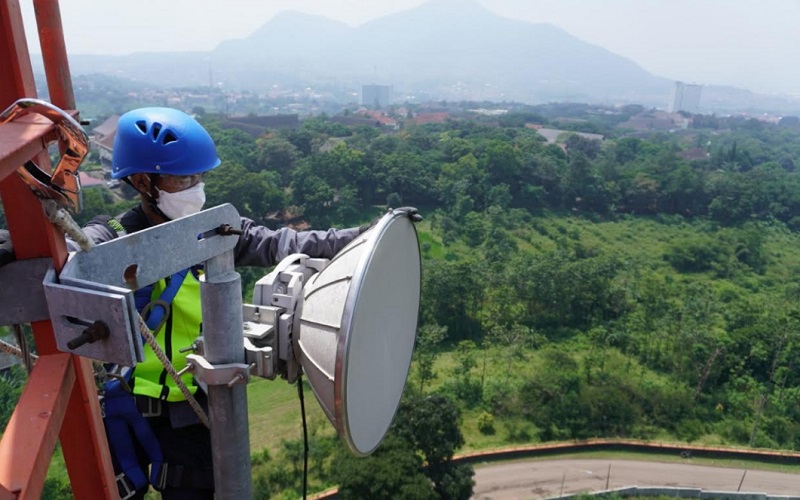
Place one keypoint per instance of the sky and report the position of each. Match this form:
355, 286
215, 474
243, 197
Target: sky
751, 44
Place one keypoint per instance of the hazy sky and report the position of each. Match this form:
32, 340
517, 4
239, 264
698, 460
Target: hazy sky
753, 44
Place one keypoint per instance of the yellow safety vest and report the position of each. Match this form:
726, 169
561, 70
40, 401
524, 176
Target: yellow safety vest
181, 328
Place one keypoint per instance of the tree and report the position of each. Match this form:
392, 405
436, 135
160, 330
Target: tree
409, 175
551, 398
580, 144
642, 195
253, 193
501, 162
392, 472
431, 425
426, 352
276, 154
99, 201
451, 294
323, 182
584, 188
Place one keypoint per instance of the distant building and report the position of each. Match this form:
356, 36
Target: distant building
382, 118
87, 181
685, 97
651, 121
553, 135
356, 121
103, 141
376, 96
423, 118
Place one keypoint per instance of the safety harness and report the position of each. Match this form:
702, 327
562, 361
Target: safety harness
123, 419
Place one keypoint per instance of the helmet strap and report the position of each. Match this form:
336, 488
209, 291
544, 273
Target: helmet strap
148, 195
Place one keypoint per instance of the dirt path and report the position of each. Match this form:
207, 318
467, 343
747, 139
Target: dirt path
540, 479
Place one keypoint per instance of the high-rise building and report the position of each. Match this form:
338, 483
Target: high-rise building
376, 96
686, 97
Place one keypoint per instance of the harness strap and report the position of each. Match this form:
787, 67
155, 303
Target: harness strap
159, 308
182, 476
121, 417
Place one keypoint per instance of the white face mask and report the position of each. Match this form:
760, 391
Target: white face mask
183, 203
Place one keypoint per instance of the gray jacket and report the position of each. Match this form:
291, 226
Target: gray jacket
257, 246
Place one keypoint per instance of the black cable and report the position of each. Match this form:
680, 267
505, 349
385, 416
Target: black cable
305, 434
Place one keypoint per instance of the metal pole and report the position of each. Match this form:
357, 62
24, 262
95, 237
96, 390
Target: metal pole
54, 51
79, 425
223, 343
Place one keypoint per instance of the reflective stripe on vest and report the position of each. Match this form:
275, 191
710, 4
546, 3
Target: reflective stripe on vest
180, 330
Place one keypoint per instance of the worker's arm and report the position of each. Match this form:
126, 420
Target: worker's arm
261, 246
98, 230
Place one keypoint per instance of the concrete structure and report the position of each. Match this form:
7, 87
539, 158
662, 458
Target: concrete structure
87, 181
376, 96
552, 135
685, 97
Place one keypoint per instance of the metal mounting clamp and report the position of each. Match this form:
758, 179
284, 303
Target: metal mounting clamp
228, 374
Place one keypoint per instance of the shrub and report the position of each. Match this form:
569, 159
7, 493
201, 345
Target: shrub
486, 423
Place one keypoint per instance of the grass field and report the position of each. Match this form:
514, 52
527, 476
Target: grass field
274, 413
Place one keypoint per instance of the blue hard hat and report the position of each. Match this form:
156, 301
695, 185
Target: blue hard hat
161, 141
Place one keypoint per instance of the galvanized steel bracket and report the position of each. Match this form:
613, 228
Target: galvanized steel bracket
73, 309
22, 297
98, 284
144, 257
131, 313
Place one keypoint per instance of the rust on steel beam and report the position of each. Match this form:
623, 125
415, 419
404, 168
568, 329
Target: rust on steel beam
54, 53
6, 495
86, 449
81, 432
30, 437
21, 140
15, 65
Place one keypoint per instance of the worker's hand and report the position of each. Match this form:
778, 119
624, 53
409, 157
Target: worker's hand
6, 250
411, 213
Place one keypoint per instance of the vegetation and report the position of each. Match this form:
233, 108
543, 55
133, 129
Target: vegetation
570, 290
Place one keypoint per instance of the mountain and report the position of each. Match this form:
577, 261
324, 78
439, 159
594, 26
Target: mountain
454, 41
442, 49
439, 45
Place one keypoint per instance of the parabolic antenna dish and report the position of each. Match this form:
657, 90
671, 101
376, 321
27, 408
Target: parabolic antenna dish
357, 330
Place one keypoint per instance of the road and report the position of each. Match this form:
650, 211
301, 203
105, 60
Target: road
540, 479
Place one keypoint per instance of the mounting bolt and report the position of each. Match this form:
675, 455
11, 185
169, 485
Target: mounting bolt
94, 332
192, 348
227, 230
